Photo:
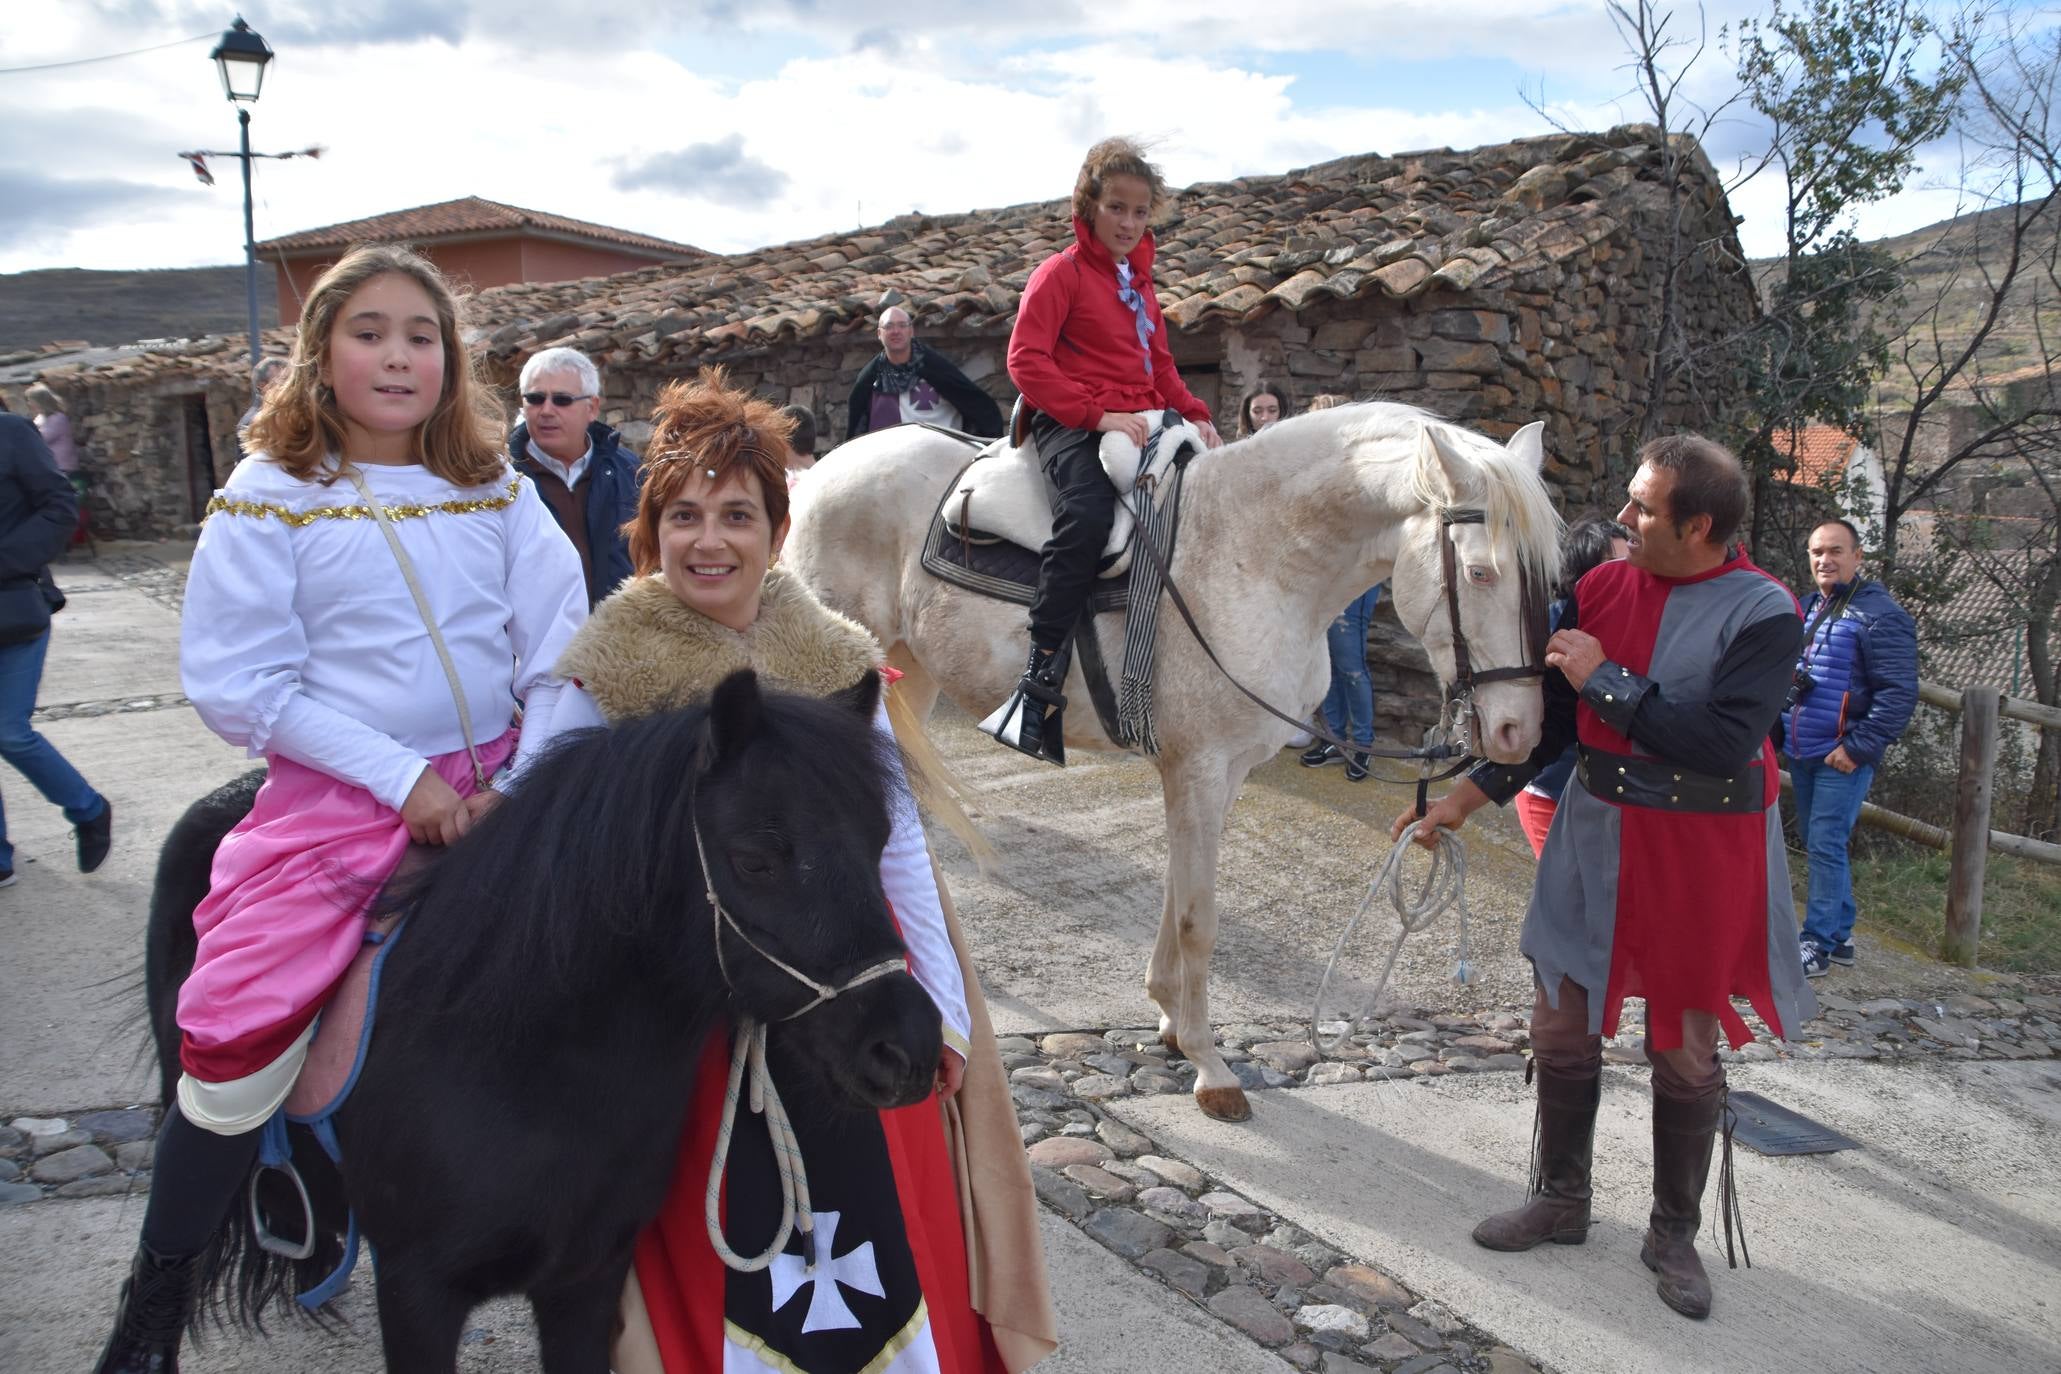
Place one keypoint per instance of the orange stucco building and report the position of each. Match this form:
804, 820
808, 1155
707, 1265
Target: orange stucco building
476, 243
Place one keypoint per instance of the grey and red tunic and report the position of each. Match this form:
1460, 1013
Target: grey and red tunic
1664, 875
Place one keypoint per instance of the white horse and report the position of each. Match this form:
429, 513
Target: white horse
1278, 533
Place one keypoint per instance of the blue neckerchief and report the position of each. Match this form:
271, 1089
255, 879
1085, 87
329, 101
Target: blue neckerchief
1131, 296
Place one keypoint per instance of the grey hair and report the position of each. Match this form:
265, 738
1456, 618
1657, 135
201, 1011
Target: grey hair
882, 322
268, 368
561, 360
44, 399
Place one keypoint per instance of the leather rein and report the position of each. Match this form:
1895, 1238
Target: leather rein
1458, 695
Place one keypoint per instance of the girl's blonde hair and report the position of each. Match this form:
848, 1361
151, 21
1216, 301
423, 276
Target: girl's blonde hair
1114, 157
300, 424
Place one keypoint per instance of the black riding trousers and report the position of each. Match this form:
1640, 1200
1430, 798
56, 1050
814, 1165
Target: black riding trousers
1082, 515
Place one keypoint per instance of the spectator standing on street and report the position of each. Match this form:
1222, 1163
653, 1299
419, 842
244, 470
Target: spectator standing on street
1856, 685
1587, 543
912, 383
56, 428
587, 476
38, 509
1348, 709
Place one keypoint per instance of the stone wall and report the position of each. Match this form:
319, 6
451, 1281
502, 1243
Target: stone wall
151, 449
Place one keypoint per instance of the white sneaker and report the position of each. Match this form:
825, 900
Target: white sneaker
1301, 739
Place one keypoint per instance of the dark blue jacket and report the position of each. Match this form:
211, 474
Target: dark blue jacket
613, 477
1552, 779
1863, 666
38, 509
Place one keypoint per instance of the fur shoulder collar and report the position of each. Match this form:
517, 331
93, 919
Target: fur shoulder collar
643, 650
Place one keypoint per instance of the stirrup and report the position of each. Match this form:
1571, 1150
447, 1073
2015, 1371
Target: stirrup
1032, 720
1045, 740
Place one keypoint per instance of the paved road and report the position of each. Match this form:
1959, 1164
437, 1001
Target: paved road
1061, 925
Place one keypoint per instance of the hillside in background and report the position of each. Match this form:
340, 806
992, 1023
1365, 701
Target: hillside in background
1940, 263
121, 307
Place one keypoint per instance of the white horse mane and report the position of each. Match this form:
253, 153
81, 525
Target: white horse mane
1516, 507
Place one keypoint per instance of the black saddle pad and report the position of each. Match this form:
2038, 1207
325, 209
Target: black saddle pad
1002, 570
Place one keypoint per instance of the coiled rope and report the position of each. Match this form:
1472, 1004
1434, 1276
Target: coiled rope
1444, 888
749, 1050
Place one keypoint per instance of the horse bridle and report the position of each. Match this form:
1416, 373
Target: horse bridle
1530, 605
720, 917
1458, 695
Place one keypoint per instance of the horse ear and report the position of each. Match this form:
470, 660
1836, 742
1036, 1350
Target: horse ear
1529, 444
734, 712
1435, 468
863, 696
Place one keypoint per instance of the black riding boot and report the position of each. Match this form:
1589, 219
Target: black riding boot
157, 1301
194, 1180
1032, 719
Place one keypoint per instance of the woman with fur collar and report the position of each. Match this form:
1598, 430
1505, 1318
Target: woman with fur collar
934, 1258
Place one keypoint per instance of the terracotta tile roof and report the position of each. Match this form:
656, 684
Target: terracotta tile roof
1370, 225
1821, 453
469, 215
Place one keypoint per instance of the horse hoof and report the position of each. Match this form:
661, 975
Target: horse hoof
1223, 1104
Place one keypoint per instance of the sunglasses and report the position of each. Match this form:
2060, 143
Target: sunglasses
561, 399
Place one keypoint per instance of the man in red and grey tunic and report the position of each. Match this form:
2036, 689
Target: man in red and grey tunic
1664, 874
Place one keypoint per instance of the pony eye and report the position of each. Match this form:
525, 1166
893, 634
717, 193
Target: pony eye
752, 865
1480, 575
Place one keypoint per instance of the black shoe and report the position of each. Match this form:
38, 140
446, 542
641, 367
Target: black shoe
1031, 720
6, 877
1319, 755
1356, 768
95, 836
157, 1300
1841, 954
1816, 963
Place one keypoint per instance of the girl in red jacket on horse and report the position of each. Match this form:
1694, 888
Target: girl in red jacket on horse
1089, 353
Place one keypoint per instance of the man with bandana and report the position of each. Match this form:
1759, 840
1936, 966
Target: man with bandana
912, 383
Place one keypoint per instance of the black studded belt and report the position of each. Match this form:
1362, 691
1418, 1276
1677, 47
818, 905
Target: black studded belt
1633, 781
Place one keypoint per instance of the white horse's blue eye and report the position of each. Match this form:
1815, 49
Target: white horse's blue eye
1481, 575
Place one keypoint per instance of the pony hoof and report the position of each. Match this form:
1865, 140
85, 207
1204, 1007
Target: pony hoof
1223, 1104
1166, 1036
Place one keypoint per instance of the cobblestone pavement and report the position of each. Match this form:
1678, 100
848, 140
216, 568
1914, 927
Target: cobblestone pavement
1254, 1270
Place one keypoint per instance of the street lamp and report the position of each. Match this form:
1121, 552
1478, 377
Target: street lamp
241, 58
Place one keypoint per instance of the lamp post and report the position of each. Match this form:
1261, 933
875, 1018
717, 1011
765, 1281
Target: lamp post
241, 57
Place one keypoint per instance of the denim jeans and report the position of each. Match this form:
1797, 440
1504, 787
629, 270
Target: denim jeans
1828, 802
21, 669
1349, 705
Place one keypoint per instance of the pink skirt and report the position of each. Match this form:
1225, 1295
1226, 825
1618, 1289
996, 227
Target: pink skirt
286, 910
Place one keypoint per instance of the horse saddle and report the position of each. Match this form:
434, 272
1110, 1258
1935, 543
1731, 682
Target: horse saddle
343, 1030
1004, 495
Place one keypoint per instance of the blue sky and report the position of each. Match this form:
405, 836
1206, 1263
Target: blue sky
732, 126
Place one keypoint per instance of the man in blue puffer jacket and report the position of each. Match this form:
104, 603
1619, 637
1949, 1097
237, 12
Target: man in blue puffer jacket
1856, 685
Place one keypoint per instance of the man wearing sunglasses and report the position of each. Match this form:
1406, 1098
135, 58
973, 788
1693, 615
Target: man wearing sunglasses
583, 470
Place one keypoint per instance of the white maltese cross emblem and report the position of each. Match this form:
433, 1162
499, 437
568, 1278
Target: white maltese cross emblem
856, 1271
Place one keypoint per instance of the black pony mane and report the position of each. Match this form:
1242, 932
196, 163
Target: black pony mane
594, 848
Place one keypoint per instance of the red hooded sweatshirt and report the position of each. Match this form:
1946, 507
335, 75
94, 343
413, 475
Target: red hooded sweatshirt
1074, 353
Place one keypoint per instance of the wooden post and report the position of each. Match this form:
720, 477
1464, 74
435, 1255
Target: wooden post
1980, 707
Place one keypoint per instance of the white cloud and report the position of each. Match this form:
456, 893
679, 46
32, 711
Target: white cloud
581, 110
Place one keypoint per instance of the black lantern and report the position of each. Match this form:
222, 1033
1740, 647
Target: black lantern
241, 57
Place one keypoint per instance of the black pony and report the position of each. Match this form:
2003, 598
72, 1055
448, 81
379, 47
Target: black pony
517, 1117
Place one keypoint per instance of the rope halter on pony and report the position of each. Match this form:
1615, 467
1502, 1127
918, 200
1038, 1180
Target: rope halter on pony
749, 1051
